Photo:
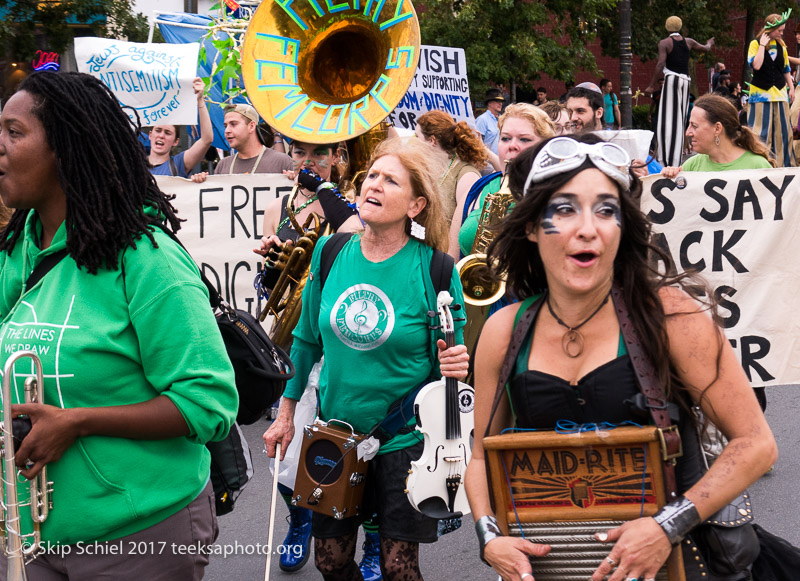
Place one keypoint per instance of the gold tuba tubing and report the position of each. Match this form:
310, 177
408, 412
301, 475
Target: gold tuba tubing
11, 540
293, 260
481, 286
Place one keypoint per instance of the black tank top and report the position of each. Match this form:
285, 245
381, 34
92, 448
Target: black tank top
539, 400
678, 58
286, 232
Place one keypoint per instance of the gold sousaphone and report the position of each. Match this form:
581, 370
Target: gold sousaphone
323, 72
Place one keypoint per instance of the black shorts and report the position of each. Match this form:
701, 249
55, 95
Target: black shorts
385, 495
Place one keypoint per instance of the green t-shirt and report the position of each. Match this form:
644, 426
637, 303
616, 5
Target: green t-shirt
466, 235
118, 337
748, 160
373, 328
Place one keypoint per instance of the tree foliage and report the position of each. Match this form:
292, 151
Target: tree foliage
702, 19
515, 41
27, 20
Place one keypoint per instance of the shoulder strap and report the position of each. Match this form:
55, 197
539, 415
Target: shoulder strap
214, 298
514, 347
441, 270
173, 169
651, 389
328, 255
475, 192
45, 266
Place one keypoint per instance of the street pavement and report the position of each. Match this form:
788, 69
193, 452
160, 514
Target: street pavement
455, 556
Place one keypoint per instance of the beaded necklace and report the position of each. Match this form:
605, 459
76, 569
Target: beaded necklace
307, 203
449, 167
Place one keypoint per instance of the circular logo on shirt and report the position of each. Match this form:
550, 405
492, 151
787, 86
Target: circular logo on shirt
362, 317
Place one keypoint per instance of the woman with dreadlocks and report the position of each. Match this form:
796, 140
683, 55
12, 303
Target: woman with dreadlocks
137, 377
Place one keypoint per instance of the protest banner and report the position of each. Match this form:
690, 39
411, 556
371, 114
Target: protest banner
440, 82
223, 223
154, 79
738, 230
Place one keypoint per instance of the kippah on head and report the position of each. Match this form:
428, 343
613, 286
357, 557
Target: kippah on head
674, 24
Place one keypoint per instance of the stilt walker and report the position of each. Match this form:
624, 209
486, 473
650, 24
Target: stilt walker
673, 62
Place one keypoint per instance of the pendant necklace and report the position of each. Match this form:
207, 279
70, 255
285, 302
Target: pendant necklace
572, 341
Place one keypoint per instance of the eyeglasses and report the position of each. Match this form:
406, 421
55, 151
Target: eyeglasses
563, 154
566, 128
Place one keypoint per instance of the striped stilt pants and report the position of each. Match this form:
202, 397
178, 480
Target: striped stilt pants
672, 110
770, 121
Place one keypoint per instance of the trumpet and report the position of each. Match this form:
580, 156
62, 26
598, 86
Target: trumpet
20, 548
290, 264
481, 286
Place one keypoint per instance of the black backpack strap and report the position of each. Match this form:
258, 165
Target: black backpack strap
214, 297
329, 252
45, 266
441, 271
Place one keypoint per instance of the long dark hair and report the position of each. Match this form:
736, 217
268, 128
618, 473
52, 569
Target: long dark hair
102, 168
635, 266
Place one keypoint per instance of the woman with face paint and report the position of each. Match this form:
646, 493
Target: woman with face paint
576, 251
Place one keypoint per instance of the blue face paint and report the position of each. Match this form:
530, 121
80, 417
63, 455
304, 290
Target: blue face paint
556, 206
610, 208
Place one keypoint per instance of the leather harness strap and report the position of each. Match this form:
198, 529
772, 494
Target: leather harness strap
651, 389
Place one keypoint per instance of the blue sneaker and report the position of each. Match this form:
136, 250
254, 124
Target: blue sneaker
371, 561
299, 535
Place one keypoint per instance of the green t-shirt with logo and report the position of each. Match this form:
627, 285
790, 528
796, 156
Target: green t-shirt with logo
372, 325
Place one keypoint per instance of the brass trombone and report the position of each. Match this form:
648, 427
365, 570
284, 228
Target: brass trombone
20, 548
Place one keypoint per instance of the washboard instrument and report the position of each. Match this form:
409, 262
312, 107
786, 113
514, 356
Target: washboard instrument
561, 489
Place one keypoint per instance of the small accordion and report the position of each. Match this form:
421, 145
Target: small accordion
330, 476
560, 489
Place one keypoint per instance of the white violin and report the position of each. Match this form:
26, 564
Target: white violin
435, 485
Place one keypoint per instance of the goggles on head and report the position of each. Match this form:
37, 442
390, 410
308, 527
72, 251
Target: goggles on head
563, 154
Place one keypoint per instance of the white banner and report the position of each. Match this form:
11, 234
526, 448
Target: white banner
439, 83
223, 223
154, 79
738, 229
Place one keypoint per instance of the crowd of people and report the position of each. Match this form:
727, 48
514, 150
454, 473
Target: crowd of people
129, 406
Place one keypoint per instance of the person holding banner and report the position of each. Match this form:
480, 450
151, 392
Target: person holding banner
721, 143
772, 89
465, 153
368, 365
137, 377
164, 137
576, 250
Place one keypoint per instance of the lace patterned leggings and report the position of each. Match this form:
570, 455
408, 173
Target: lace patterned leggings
334, 558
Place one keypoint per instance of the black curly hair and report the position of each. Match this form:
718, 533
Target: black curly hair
102, 168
